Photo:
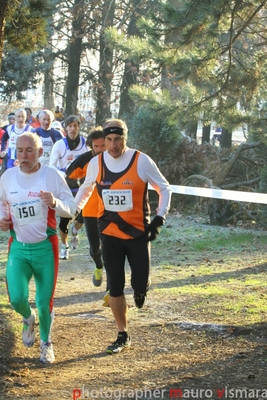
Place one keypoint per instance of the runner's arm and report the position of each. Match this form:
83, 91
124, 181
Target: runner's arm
149, 172
64, 200
87, 187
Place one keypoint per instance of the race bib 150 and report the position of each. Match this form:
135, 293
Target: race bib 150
27, 211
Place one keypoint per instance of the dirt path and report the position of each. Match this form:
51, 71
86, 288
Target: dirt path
169, 356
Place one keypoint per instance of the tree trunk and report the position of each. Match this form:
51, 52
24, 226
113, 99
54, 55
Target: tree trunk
3, 11
225, 170
74, 58
206, 134
191, 129
73, 77
131, 69
129, 78
105, 66
226, 138
49, 101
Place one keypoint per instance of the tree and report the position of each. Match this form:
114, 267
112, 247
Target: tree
206, 133
226, 138
74, 56
131, 67
18, 20
105, 73
48, 58
217, 60
19, 73
3, 16
78, 28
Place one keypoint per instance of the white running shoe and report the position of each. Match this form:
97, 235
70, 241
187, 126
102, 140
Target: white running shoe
64, 253
74, 238
47, 352
28, 334
74, 241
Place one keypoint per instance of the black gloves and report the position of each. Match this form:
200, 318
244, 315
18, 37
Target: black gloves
154, 227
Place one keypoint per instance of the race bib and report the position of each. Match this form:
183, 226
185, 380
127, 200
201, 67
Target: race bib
117, 200
12, 146
27, 211
13, 154
46, 153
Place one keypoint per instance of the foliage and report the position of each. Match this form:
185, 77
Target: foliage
235, 169
19, 73
26, 17
213, 56
263, 180
23, 31
150, 132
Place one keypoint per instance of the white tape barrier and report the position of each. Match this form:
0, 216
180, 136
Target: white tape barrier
248, 197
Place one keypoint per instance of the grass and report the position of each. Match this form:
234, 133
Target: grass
231, 241
220, 273
242, 296
211, 238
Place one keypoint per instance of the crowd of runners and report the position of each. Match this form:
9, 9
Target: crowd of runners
97, 182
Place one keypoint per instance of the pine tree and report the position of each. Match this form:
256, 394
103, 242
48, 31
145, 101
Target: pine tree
212, 55
23, 25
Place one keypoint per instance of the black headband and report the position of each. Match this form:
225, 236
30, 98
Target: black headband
113, 129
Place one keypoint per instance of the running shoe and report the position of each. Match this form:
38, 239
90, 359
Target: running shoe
120, 344
28, 334
74, 238
106, 299
64, 253
139, 299
47, 352
97, 276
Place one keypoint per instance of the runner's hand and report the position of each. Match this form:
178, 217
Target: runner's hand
154, 228
5, 224
48, 198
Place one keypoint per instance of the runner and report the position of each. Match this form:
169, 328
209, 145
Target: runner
48, 135
30, 196
64, 152
13, 132
77, 170
121, 176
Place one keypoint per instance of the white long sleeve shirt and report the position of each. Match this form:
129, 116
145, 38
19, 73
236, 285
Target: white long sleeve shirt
61, 156
32, 220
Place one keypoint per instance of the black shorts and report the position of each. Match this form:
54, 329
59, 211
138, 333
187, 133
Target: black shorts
137, 251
